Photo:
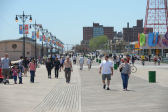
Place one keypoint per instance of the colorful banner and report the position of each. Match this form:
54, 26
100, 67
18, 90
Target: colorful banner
48, 39
44, 38
33, 34
154, 41
20, 29
41, 37
37, 34
142, 39
26, 29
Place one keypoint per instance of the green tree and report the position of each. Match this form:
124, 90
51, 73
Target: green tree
98, 42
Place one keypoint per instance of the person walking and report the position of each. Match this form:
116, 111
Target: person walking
57, 67
20, 77
49, 66
159, 60
81, 62
155, 60
21, 64
133, 59
25, 65
68, 69
74, 59
89, 63
106, 69
32, 68
5, 63
125, 70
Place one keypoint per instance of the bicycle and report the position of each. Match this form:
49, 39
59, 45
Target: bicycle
133, 68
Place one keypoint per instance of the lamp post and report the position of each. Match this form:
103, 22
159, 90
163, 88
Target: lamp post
51, 36
44, 31
23, 17
36, 27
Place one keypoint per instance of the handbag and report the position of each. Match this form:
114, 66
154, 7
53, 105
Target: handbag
121, 69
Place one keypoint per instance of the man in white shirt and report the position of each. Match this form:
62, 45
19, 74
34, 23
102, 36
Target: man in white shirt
106, 69
81, 62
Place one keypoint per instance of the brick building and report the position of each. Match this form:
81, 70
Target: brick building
131, 34
15, 48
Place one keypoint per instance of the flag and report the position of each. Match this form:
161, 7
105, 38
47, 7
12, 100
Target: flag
33, 35
48, 39
44, 38
37, 34
26, 28
53, 41
41, 37
20, 29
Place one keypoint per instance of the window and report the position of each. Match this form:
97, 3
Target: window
14, 46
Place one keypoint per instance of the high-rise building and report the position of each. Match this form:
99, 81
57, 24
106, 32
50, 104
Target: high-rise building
95, 31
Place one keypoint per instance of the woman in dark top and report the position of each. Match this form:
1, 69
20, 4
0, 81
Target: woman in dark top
49, 66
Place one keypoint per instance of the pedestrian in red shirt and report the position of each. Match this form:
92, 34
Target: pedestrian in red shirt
32, 68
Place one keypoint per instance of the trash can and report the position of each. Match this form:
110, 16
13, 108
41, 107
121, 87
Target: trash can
152, 76
100, 61
96, 60
115, 67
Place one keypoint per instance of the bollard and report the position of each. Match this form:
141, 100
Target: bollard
115, 67
100, 61
152, 76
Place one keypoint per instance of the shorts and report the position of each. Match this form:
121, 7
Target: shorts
108, 76
6, 73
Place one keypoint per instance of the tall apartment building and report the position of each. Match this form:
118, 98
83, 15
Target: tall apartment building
95, 31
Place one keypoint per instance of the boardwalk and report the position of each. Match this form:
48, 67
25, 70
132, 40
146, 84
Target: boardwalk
85, 93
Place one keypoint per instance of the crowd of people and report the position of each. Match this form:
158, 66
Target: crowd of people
65, 62
17, 70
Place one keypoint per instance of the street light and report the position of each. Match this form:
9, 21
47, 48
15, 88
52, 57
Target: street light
44, 31
36, 27
23, 17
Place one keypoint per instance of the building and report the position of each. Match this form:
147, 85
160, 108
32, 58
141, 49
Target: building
131, 34
15, 48
95, 31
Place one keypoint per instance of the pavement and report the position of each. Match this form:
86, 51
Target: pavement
85, 92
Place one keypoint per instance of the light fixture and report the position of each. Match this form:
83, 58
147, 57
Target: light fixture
16, 19
30, 19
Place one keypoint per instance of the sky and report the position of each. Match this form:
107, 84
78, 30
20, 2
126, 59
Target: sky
66, 18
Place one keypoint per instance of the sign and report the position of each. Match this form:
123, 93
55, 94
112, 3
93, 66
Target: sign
26, 29
153, 41
20, 29
37, 34
33, 34
44, 38
41, 37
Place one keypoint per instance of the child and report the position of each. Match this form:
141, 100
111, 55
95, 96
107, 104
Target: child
15, 73
20, 77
